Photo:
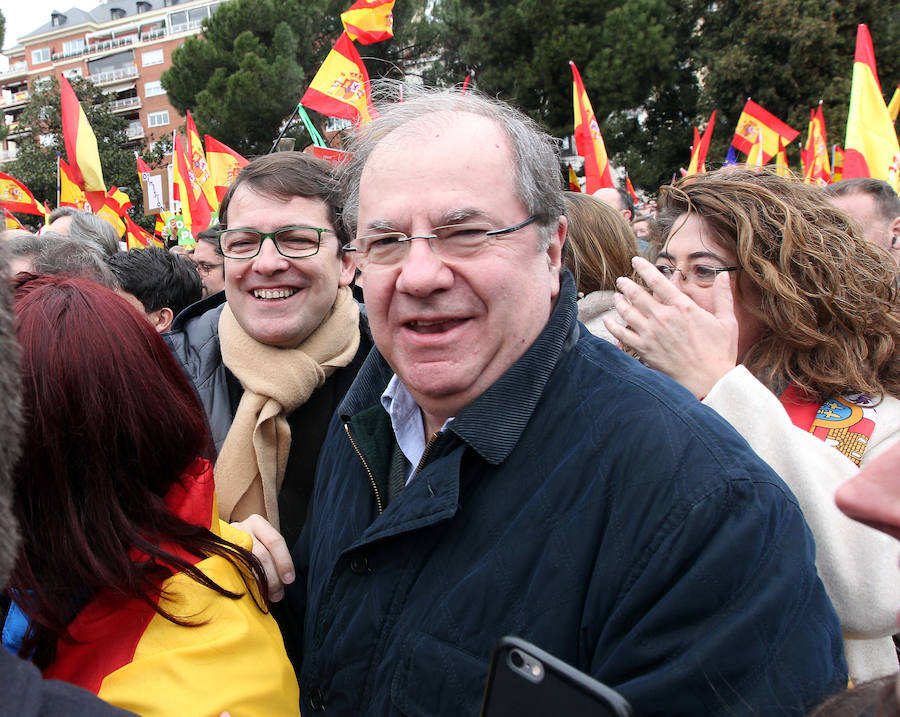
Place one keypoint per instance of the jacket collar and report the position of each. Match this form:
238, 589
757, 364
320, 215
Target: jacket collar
493, 423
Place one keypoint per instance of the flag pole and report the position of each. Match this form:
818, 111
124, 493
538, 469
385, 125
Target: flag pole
285, 128
58, 181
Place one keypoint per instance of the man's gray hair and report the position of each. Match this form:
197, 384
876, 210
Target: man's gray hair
535, 164
95, 229
10, 423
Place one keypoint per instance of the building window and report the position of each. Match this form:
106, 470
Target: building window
73, 47
153, 88
152, 57
40, 83
158, 119
39, 56
116, 13
73, 72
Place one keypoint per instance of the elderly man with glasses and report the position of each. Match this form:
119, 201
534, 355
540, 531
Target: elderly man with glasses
273, 355
495, 469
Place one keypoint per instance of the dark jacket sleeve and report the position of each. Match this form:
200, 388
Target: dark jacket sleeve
724, 613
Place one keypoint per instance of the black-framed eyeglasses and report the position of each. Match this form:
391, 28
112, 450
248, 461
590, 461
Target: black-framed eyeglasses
290, 242
204, 267
698, 274
454, 241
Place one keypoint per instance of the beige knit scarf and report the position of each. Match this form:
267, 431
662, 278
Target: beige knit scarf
251, 464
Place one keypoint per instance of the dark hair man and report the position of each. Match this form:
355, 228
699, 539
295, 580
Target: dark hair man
158, 283
209, 260
273, 355
618, 199
495, 469
875, 205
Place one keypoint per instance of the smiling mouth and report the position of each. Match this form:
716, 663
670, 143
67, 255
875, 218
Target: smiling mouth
269, 294
434, 327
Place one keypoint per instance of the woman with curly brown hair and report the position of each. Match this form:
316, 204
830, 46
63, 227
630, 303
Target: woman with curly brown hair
768, 306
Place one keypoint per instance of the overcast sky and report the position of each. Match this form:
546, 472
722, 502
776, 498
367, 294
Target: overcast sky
23, 16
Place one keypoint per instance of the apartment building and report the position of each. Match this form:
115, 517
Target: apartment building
122, 46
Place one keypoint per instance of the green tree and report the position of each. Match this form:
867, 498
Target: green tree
35, 164
244, 75
634, 57
787, 56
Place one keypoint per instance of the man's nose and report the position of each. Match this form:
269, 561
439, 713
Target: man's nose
422, 271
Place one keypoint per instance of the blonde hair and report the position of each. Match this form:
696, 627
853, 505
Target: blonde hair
827, 297
600, 243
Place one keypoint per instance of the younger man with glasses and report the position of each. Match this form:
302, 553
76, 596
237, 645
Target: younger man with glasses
209, 261
274, 355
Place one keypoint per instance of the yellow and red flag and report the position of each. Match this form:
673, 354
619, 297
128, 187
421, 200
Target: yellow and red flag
837, 163
10, 222
194, 208
894, 105
224, 165
701, 147
199, 165
81, 146
629, 187
117, 201
138, 238
341, 86
574, 184
816, 167
588, 139
756, 126
16, 197
870, 147
369, 21
70, 194
781, 163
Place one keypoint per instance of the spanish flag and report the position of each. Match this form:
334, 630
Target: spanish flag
10, 222
781, 163
224, 165
756, 126
16, 197
138, 238
894, 106
870, 147
115, 206
629, 187
701, 147
81, 146
199, 165
816, 167
70, 194
341, 86
837, 163
194, 208
369, 21
574, 184
588, 139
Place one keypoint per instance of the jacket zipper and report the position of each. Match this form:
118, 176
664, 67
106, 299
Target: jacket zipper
431, 442
366, 466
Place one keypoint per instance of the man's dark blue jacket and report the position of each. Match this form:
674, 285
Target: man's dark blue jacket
584, 503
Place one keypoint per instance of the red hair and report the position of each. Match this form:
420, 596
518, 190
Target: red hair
111, 424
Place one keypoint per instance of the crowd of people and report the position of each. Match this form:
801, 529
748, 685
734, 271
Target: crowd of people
391, 411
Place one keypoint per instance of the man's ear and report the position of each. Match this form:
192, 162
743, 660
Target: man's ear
554, 253
894, 232
348, 269
161, 319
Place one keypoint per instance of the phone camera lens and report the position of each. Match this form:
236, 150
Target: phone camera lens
516, 658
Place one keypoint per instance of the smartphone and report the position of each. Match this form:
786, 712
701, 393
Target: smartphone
525, 681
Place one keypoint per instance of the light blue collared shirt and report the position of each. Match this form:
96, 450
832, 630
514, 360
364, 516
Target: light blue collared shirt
406, 420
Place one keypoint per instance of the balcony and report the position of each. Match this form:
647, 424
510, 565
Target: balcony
15, 68
14, 129
15, 100
134, 131
123, 73
185, 27
125, 104
7, 155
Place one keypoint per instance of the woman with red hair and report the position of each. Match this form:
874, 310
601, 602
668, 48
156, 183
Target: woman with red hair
131, 586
